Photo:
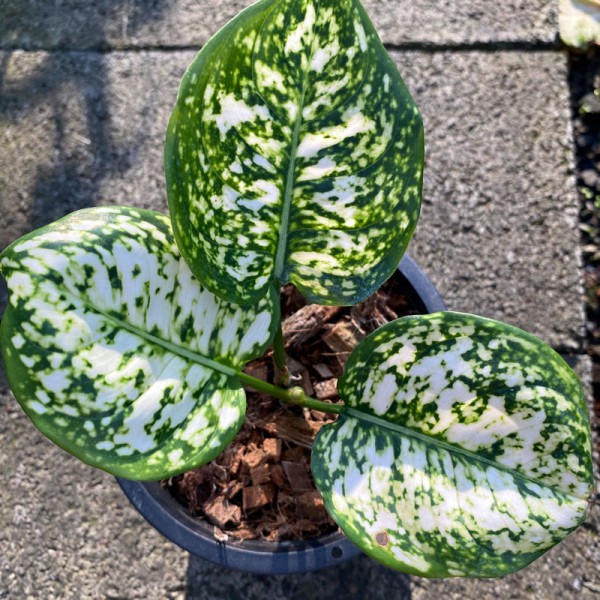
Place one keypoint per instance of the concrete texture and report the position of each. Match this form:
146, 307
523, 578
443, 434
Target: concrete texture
82, 129
498, 235
499, 226
67, 531
80, 24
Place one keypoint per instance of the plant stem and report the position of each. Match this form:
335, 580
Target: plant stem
283, 376
295, 395
278, 348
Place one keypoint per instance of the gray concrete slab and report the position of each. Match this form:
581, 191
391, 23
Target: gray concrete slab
67, 531
499, 226
78, 24
82, 129
498, 231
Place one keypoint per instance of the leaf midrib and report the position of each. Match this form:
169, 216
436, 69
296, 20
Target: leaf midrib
287, 194
170, 346
282, 242
453, 449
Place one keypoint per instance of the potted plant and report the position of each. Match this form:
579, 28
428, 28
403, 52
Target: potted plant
295, 154
161, 508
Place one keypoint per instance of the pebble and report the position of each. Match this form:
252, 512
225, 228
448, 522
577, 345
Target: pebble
590, 177
590, 104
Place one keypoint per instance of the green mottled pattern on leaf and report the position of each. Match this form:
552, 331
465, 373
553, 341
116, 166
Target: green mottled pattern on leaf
294, 153
114, 349
466, 450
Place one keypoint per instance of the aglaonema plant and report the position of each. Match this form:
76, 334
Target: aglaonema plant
295, 154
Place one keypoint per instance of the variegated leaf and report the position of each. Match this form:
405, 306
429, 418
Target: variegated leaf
294, 153
465, 449
114, 349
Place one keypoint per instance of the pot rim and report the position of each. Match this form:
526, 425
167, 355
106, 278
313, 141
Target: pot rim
171, 518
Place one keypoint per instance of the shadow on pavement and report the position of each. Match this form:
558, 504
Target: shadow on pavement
68, 179
358, 579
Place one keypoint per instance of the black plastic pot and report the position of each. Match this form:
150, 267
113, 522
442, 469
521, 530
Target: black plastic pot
173, 520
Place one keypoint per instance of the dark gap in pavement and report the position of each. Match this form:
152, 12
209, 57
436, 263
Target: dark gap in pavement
584, 85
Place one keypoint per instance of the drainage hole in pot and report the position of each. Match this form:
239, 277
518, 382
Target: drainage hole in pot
337, 552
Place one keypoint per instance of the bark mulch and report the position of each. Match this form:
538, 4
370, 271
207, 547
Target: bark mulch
261, 486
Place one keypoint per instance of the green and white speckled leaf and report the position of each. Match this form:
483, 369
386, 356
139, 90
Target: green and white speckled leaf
294, 153
465, 451
114, 349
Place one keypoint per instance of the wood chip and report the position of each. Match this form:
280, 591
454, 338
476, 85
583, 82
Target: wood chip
326, 390
220, 512
367, 315
232, 490
286, 500
306, 384
260, 474
253, 457
272, 449
289, 427
277, 476
316, 426
246, 531
323, 370
310, 506
343, 337
231, 459
306, 526
257, 369
317, 415
294, 454
306, 322
295, 367
256, 496
297, 476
